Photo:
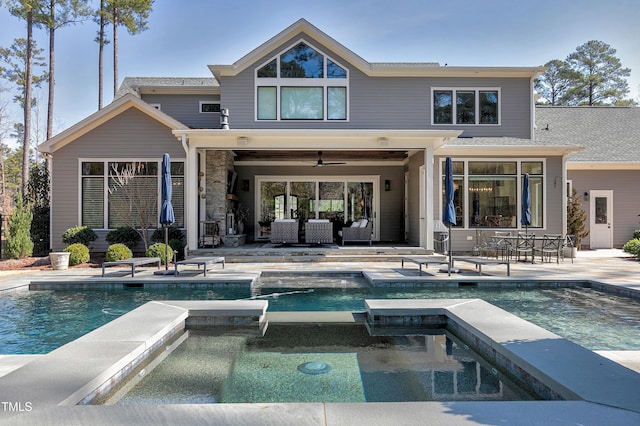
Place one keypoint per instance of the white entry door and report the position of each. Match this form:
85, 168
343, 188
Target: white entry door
601, 222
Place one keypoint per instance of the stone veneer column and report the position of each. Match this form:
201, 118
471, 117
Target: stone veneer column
217, 165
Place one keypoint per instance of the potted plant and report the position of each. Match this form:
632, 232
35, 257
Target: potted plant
576, 223
266, 220
242, 215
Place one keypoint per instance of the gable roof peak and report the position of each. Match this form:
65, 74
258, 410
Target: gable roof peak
384, 69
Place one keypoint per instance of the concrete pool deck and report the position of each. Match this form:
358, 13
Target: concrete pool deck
611, 268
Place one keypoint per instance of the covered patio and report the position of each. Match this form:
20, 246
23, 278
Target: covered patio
229, 168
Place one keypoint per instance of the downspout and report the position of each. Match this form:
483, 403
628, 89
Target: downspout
532, 133
49, 161
184, 143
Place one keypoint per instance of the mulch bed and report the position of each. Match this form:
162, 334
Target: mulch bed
41, 263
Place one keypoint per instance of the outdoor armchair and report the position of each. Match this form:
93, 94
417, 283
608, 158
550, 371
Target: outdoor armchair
284, 231
318, 231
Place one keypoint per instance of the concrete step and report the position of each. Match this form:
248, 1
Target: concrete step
256, 253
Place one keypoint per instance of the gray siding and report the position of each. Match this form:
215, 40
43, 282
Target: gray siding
186, 109
387, 102
626, 202
132, 134
391, 205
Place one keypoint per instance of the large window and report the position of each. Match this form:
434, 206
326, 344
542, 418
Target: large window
488, 194
104, 204
466, 106
301, 84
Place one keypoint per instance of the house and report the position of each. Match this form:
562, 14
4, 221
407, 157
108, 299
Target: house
605, 173
303, 128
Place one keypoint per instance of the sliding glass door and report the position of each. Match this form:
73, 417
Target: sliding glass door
341, 200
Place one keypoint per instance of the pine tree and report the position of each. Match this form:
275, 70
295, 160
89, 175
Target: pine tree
602, 80
555, 82
576, 219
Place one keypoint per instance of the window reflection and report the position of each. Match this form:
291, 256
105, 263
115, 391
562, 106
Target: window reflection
301, 62
493, 195
442, 107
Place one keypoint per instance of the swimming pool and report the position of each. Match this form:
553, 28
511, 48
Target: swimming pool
329, 363
36, 322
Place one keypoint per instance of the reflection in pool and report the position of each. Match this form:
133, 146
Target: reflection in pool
356, 367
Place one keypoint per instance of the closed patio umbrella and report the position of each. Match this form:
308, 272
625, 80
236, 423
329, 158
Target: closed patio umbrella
525, 218
167, 217
449, 210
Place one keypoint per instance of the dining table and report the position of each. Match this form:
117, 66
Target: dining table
508, 242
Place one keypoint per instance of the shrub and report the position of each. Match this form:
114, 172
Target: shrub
636, 234
79, 234
78, 253
174, 234
118, 252
40, 230
178, 248
158, 250
19, 244
576, 219
124, 235
632, 247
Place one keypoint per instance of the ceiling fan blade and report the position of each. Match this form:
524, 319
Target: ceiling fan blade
321, 163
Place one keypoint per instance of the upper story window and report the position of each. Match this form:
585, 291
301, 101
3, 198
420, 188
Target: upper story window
206, 106
466, 106
301, 84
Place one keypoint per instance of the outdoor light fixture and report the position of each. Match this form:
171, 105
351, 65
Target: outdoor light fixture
387, 185
383, 141
242, 140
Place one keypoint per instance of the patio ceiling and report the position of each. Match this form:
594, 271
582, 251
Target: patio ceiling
312, 156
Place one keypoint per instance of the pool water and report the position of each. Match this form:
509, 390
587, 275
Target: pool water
319, 364
36, 322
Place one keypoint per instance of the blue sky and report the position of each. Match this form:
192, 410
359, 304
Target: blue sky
185, 36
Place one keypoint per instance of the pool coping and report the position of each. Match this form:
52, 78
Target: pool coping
52, 384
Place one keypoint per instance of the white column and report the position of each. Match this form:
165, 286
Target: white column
191, 198
565, 195
428, 198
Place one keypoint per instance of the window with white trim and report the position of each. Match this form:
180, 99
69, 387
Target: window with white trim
488, 194
465, 106
301, 84
103, 209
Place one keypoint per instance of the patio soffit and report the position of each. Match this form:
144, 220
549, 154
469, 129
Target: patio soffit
300, 139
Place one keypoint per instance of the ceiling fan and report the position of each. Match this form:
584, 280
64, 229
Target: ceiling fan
321, 163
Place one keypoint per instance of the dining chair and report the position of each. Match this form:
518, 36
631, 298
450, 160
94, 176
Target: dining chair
551, 246
500, 245
525, 244
570, 243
